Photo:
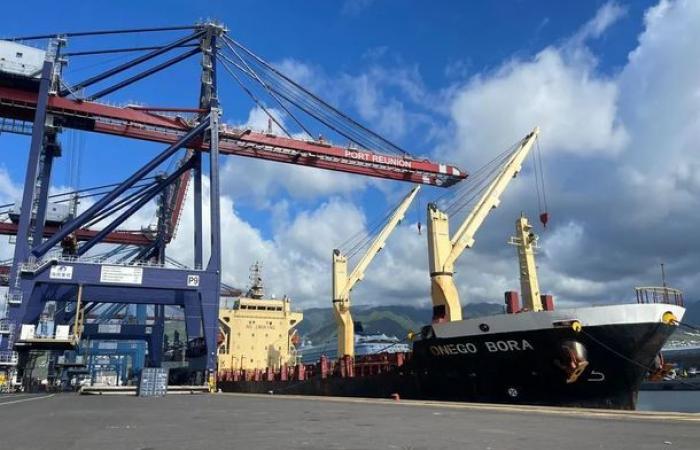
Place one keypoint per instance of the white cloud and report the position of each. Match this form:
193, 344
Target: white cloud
259, 181
660, 101
620, 152
9, 192
296, 261
355, 7
606, 16
575, 109
367, 93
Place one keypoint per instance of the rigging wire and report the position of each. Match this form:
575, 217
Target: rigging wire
121, 204
537, 181
80, 191
478, 184
460, 188
301, 102
365, 235
269, 90
370, 235
539, 159
253, 97
318, 108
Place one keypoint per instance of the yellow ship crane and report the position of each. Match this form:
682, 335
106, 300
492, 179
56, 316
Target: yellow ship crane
343, 284
443, 251
526, 242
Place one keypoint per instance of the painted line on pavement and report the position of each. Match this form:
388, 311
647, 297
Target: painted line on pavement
549, 410
26, 400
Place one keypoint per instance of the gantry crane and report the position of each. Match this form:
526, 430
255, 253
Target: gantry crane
38, 100
343, 284
443, 251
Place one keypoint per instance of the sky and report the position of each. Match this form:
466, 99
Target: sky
613, 85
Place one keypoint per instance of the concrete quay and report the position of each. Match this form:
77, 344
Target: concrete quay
242, 421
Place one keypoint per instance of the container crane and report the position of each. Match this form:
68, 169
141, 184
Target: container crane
443, 251
343, 284
41, 102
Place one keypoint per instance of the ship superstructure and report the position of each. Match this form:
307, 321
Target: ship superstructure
257, 332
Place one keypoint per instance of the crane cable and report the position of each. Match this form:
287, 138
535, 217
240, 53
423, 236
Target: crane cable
363, 238
269, 91
321, 106
304, 104
253, 96
274, 81
539, 183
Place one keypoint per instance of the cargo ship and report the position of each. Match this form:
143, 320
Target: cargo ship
594, 356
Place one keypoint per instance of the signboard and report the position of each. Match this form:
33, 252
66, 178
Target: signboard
121, 274
107, 328
192, 280
61, 272
107, 345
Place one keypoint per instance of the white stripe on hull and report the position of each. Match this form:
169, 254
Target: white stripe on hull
541, 320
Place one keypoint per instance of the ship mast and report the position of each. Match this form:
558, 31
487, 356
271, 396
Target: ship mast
443, 251
256, 289
343, 284
526, 242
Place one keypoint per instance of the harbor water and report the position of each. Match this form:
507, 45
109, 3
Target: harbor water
669, 401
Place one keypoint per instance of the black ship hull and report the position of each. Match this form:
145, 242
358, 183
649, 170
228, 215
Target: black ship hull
600, 365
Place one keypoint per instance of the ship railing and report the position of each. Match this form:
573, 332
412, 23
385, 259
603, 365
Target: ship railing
362, 366
34, 265
659, 294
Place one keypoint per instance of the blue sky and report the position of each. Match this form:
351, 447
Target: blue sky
444, 43
455, 81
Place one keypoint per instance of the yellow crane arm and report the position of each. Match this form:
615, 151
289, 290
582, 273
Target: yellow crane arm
343, 283
359, 272
443, 251
464, 236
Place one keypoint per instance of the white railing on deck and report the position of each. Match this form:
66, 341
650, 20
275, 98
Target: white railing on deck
656, 294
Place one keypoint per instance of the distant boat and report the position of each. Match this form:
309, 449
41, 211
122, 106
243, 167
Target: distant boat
368, 344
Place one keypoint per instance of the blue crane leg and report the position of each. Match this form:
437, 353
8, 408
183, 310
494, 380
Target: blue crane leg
193, 316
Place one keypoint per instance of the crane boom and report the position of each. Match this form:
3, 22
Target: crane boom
343, 284
443, 251
145, 124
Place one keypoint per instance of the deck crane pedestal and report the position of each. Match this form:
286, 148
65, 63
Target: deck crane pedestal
343, 284
443, 251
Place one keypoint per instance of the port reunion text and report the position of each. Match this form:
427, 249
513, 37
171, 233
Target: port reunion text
379, 159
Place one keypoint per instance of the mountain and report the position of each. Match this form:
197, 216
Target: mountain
393, 320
